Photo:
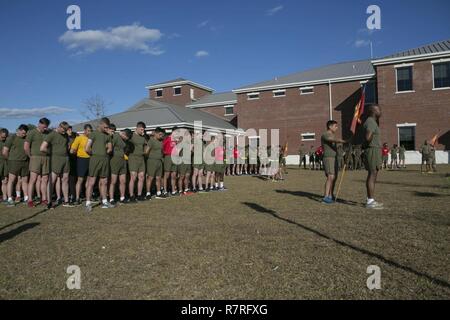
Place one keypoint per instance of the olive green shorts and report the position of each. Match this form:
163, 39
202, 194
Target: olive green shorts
210, 167
373, 159
60, 165
99, 167
118, 166
184, 169
40, 165
154, 167
169, 166
19, 168
199, 166
136, 164
220, 168
330, 166
3, 169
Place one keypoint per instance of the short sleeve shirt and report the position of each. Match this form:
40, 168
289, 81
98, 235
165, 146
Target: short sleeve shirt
329, 148
118, 146
99, 142
138, 143
35, 138
155, 149
15, 146
371, 126
59, 143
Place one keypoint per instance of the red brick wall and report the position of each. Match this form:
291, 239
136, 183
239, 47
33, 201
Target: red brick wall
295, 114
181, 100
429, 109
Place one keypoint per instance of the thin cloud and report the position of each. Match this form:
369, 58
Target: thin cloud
129, 37
16, 113
275, 10
361, 43
203, 24
201, 54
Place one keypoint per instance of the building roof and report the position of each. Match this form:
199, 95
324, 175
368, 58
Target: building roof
345, 71
435, 49
160, 114
216, 99
178, 82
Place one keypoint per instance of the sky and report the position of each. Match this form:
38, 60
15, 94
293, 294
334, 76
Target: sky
122, 46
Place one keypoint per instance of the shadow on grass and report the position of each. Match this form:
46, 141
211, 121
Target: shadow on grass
315, 197
25, 219
408, 184
371, 254
427, 194
13, 233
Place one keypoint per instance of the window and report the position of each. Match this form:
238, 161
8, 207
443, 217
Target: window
253, 96
229, 110
177, 91
407, 137
306, 90
308, 136
441, 72
279, 93
159, 93
404, 79
371, 93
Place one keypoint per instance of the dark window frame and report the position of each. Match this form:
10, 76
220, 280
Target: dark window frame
444, 83
410, 144
405, 85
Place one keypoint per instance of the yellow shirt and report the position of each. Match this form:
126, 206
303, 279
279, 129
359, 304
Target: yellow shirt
78, 145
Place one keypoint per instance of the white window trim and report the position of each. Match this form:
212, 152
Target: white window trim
156, 93
177, 87
279, 91
396, 78
404, 65
253, 94
432, 67
229, 106
405, 125
306, 88
308, 134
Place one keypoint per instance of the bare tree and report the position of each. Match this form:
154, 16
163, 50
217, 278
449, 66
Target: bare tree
94, 107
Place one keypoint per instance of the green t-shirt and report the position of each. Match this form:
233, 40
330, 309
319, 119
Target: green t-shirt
99, 142
59, 143
372, 126
2, 144
393, 152
401, 151
138, 143
155, 149
426, 149
329, 148
35, 139
15, 145
118, 146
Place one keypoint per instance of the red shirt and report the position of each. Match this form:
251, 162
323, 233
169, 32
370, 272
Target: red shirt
168, 145
235, 153
218, 153
385, 151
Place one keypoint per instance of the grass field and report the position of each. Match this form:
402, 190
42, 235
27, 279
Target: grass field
259, 240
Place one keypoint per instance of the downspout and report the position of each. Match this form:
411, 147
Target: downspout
331, 100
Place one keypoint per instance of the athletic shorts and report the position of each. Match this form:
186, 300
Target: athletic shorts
60, 165
19, 168
373, 159
136, 164
210, 167
118, 166
83, 167
184, 169
99, 167
3, 169
73, 166
330, 166
199, 166
154, 167
169, 166
40, 165
220, 168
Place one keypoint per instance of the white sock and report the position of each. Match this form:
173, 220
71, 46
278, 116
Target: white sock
158, 193
10, 199
369, 201
221, 184
148, 194
216, 184
88, 203
122, 198
105, 201
18, 194
25, 198
186, 190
